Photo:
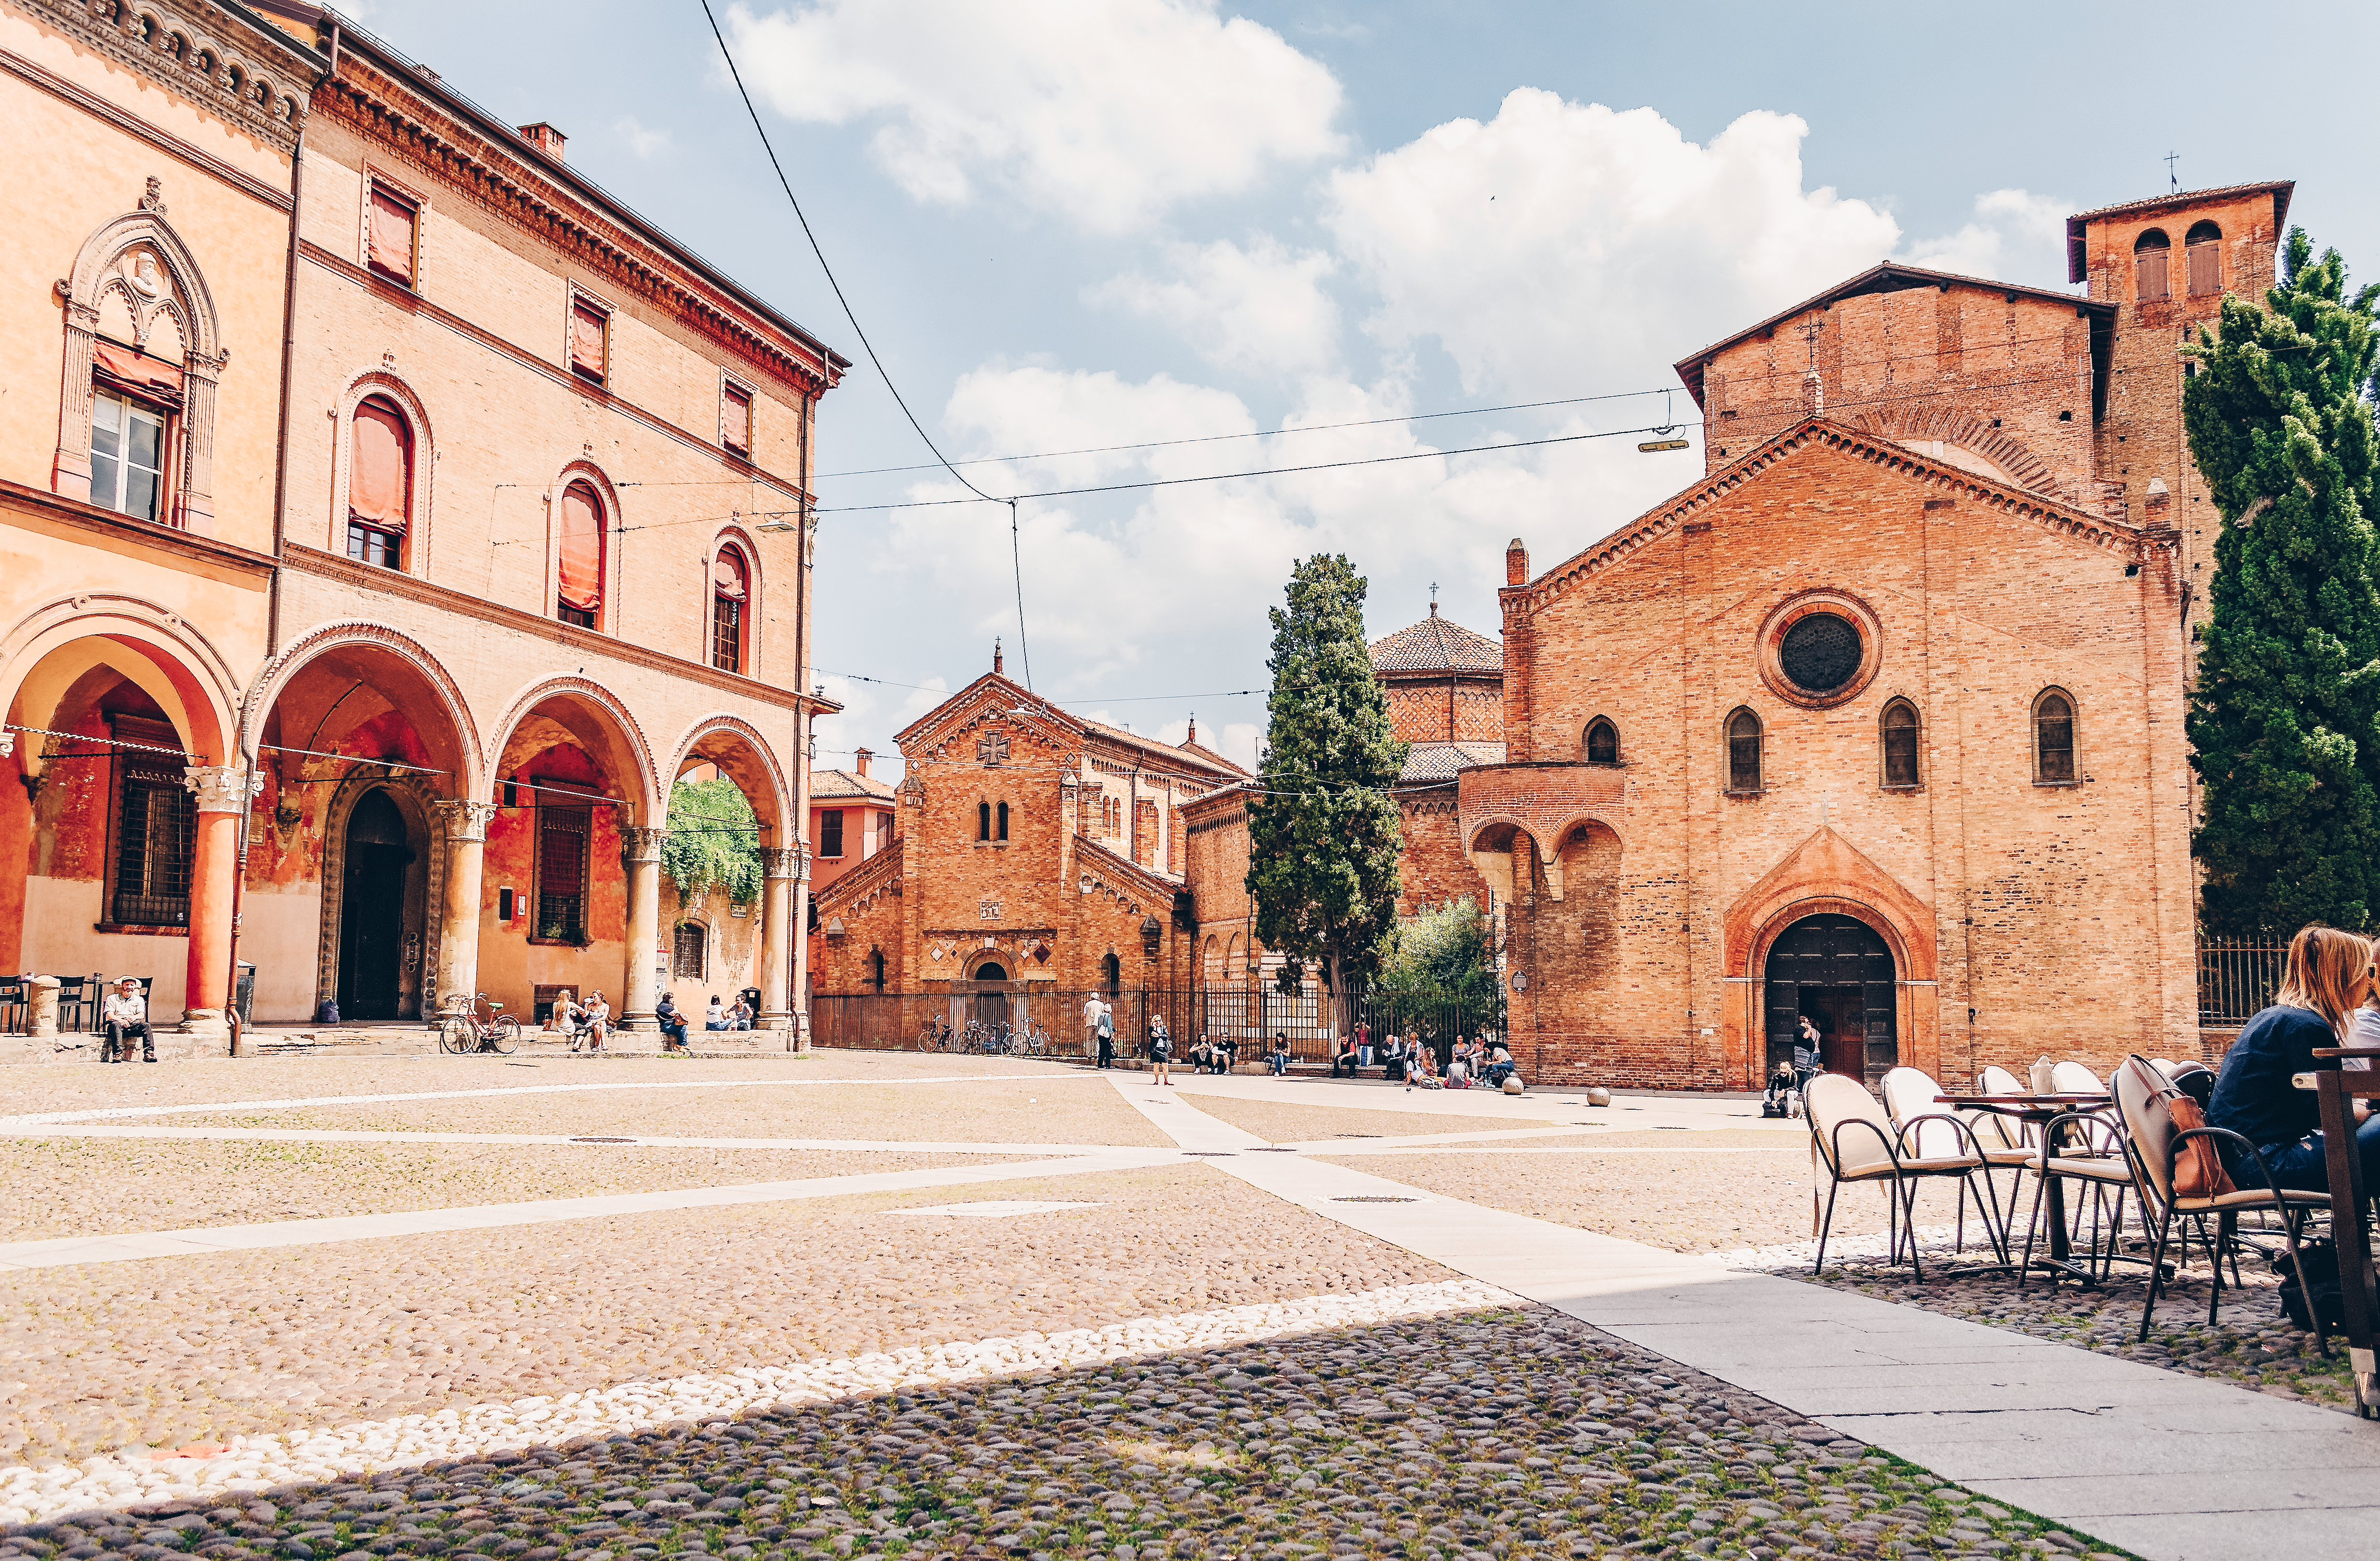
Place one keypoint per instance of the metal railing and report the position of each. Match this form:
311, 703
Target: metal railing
2237, 977
1250, 1017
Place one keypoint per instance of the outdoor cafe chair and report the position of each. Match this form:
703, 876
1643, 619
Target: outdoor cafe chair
1857, 1141
2084, 1148
2154, 1142
12, 1006
78, 1003
1912, 1097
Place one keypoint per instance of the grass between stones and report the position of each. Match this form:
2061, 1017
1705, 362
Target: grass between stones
1508, 1433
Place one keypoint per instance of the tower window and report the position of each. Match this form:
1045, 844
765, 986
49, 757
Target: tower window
1744, 752
1899, 734
1003, 824
2205, 251
1602, 741
2149, 270
983, 822
2053, 738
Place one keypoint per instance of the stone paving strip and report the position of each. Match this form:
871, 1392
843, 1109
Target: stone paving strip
233, 1180
1296, 1122
108, 1356
1508, 1433
258, 1463
74, 1251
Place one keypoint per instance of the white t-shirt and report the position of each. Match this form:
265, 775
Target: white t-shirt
2367, 1033
716, 1014
1091, 1012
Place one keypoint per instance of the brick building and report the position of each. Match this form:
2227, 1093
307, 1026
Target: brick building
1881, 722
1036, 853
366, 528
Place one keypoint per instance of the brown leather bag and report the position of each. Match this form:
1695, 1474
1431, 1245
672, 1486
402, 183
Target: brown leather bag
2197, 1165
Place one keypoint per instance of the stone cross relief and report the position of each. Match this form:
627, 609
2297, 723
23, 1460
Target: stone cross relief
991, 747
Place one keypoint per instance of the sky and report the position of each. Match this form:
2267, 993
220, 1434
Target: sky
1070, 226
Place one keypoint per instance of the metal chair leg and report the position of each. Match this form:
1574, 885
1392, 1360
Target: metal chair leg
1825, 1228
2040, 1186
2156, 1272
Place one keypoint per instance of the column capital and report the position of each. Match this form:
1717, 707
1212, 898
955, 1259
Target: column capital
786, 862
640, 845
465, 820
222, 788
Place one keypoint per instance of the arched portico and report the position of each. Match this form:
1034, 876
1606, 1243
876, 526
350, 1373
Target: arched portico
738, 751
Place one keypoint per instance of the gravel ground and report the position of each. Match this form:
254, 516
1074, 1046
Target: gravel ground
177, 1183
1684, 1202
1280, 1122
2253, 1344
174, 1352
74, 1088
1519, 1433
1061, 1110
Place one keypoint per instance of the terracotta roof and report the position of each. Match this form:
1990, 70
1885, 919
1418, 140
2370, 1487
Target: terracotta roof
2077, 264
1442, 761
1198, 754
1888, 277
839, 785
1437, 645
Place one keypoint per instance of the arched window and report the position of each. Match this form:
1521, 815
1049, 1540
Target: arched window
1744, 752
2204, 247
983, 822
1899, 734
876, 969
579, 590
688, 951
1002, 823
1111, 977
2053, 738
1602, 741
380, 484
730, 585
2149, 271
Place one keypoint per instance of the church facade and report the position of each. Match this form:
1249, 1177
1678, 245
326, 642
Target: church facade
1880, 722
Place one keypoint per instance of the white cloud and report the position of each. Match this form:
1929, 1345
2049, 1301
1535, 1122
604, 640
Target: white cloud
2015, 236
1256, 310
1562, 247
1106, 112
1032, 410
646, 144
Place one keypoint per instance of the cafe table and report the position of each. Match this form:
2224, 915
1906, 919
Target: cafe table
2038, 1111
2336, 1089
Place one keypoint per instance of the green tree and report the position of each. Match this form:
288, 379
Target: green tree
713, 842
2285, 720
1322, 835
1441, 952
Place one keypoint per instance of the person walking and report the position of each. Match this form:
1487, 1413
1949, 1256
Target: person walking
125, 1013
1161, 1053
1363, 1043
1104, 1026
1091, 1006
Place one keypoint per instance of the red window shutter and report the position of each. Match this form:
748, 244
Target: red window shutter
388, 236
134, 372
727, 575
378, 487
586, 324
582, 550
736, 419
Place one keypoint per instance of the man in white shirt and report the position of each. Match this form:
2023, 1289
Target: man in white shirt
1091, 1027
125, 1013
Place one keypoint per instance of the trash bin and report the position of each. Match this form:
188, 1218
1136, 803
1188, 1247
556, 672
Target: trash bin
244, 993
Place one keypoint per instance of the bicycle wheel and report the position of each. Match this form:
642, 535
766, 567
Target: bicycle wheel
458, 1036
503, 1035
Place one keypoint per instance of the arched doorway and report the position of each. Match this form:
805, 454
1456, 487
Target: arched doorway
991, 1001
1837, 971
372, 909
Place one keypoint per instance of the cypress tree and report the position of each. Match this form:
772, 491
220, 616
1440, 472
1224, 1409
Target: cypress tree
1323, 838
2285, 718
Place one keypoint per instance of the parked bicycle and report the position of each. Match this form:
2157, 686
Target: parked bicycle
465, 1033
934, 1034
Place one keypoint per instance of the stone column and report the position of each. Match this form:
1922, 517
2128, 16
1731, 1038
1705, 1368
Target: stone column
224, 791
785, 865
457, 972
640, 858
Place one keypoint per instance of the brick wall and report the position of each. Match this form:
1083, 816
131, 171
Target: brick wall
1468, 709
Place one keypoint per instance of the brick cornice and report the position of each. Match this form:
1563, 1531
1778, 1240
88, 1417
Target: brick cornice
390, 583
248, 74
414, 303
381, 108
57, 508
1668, 519
133, 125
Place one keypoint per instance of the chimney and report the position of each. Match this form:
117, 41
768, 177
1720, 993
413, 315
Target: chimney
995, 657
862, 757
1516, 564
545, 137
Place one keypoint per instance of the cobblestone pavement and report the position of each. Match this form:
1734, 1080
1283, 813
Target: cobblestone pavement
1064, 1107
161, 1185
172, 1352
1510, 1433
1287, 1123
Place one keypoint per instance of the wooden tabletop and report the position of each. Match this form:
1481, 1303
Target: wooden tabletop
2100, 1099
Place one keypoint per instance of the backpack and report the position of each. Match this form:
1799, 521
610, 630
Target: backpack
2320, 1259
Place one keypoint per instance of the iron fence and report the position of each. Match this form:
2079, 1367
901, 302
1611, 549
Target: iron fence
2237, 977
1247, 1018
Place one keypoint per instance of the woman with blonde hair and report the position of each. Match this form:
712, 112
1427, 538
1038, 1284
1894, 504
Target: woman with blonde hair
2330, 976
